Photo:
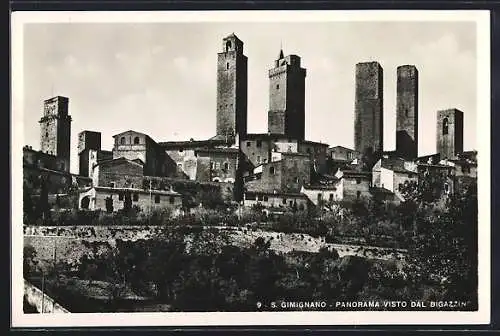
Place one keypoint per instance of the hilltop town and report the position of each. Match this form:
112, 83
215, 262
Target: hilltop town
274, 191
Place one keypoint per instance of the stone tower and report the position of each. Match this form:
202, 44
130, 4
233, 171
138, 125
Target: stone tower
287, 97
89, 145
450, 133
407, 112
55, 127
368, 108
231, 89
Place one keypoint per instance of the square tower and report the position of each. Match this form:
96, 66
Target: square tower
231, 89
287, 97
407, 112
89, 140
450, 133
368, 108
55, 129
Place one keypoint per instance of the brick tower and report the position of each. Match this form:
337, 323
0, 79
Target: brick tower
368, 108
407, 112
231, 89
287, 97
450, 133
55, 127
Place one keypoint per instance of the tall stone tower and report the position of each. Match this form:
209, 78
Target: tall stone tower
89, 145
287, 97
368, 108
55, 127
407, 112
231, 89
450, 133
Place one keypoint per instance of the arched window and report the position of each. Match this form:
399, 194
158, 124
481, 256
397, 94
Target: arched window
271, 170
136, 140
122, 141
445, 126
228, 45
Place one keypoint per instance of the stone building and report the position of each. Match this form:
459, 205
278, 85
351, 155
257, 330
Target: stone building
286, 114
55, 129
450, 133
258, 149
90, 152
217, 164
183, 153
286, 172
231, 89
118, 173
391, 174
407, 112
368, 108
134, 145
276, 200
97, 198
352, 185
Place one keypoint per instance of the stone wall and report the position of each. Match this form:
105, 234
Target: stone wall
36, 298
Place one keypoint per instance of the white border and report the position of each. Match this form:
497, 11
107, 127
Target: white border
482, 19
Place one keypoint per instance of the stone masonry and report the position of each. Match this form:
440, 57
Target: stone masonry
231, 89
368, 119
450, 133
407, 112
287, 97
55, 129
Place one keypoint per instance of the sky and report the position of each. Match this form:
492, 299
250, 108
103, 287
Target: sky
160, 78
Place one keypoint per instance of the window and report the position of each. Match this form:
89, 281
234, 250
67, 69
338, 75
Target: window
406, 112
400, 186
157, 199
258, 159
259, 143
320, 197
227, 66
290, 203
271, 170
47, 134
284, 200
331, 197
349, 156
308, 151
249, 143
122, 141
266, 198
135, 198
277, 86
445, 126
228, 45
136, 140
358, 194
358, 181
226, 166
111, 184
250, 197
181, 150
172, 200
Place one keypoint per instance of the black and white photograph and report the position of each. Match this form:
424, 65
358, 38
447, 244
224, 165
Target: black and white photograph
250, 168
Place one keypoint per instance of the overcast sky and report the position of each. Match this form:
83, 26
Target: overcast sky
160, 79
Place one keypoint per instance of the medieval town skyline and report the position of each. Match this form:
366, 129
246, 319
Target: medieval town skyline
153, 76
